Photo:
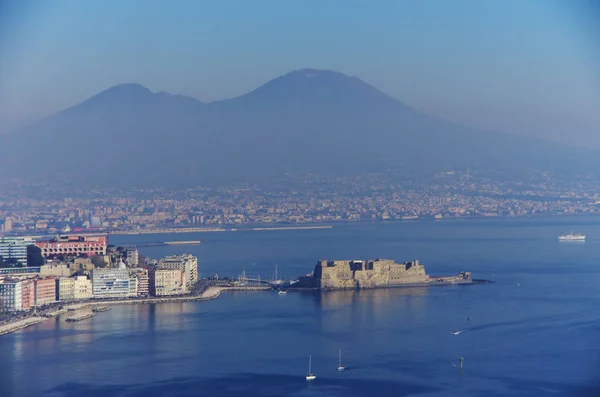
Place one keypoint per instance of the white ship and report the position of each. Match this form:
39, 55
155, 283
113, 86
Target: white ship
571, 237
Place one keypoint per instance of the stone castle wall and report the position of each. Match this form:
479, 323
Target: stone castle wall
368, 274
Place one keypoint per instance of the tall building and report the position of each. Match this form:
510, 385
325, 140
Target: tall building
188, 264
110, 282
164, 282
82, 288
7, 225
133, 285
66, 288
45, 290
73, 246
133, 257
142, 281
15, 248
11, 295
95, 221
28, 294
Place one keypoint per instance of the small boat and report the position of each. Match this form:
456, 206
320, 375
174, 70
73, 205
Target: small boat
281, 292
340, 366
310, 375
455, 333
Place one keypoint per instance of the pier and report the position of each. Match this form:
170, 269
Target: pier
80, 317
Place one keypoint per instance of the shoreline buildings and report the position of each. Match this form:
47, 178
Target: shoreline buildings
110, 282
187, 263
22, 288
15, 248
72, 245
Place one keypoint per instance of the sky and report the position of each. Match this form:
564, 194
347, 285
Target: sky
524, 67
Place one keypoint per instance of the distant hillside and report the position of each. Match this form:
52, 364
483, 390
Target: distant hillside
305, 121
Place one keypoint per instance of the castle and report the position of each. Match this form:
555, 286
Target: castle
378, 273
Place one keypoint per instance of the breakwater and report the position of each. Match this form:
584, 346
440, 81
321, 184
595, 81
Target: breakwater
20, 324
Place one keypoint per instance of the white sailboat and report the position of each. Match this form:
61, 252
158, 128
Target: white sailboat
310, 375
340, 366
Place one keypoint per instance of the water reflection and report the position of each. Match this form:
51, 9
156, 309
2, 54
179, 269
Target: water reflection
370, 309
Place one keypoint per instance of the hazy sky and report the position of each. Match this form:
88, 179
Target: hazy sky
523, 66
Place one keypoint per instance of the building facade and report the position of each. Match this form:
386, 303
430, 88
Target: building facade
55, 270
188, 264
45, 290
28, 294
142, 281
165, 282
133, 285
82, 288
15, 248
11, 295
73, 246
66, 288
133, 257
110, 283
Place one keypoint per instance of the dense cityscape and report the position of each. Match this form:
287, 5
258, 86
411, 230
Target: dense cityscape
28, 208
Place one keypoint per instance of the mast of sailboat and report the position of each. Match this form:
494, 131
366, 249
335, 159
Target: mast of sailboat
276, 273
309, 363
340, 359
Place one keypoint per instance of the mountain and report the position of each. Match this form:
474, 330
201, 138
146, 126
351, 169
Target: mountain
305, 121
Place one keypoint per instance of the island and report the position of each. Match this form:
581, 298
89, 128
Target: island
377, 273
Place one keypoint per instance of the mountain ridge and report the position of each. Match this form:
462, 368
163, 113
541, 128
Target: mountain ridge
307, 120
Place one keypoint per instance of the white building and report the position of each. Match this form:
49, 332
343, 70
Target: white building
164, 282
133, 257
82, 288
133, 285
188, 264
66, 288
11, 295
110, 282
15, 248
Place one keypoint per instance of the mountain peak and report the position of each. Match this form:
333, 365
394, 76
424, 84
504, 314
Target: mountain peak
310, 73
317, 87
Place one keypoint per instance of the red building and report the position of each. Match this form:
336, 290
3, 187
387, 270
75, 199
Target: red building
73, 246
45, 290
28, 294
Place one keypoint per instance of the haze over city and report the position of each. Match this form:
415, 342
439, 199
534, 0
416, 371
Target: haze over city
282, 198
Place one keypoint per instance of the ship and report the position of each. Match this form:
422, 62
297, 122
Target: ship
377, 273
571, 237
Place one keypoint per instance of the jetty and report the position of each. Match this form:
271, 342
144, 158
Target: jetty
20, 324
81, 317
101, 309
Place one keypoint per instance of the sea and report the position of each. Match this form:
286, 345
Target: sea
534, 331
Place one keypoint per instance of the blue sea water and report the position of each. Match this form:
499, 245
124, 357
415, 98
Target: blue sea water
534, 332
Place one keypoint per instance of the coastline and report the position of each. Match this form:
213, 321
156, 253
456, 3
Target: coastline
208, 230
210, 294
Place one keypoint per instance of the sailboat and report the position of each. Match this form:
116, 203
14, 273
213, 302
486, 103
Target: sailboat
340, 366
310, 375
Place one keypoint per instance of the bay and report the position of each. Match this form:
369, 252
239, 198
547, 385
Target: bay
534, 331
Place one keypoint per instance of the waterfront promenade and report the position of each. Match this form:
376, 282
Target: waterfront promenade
210, 293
